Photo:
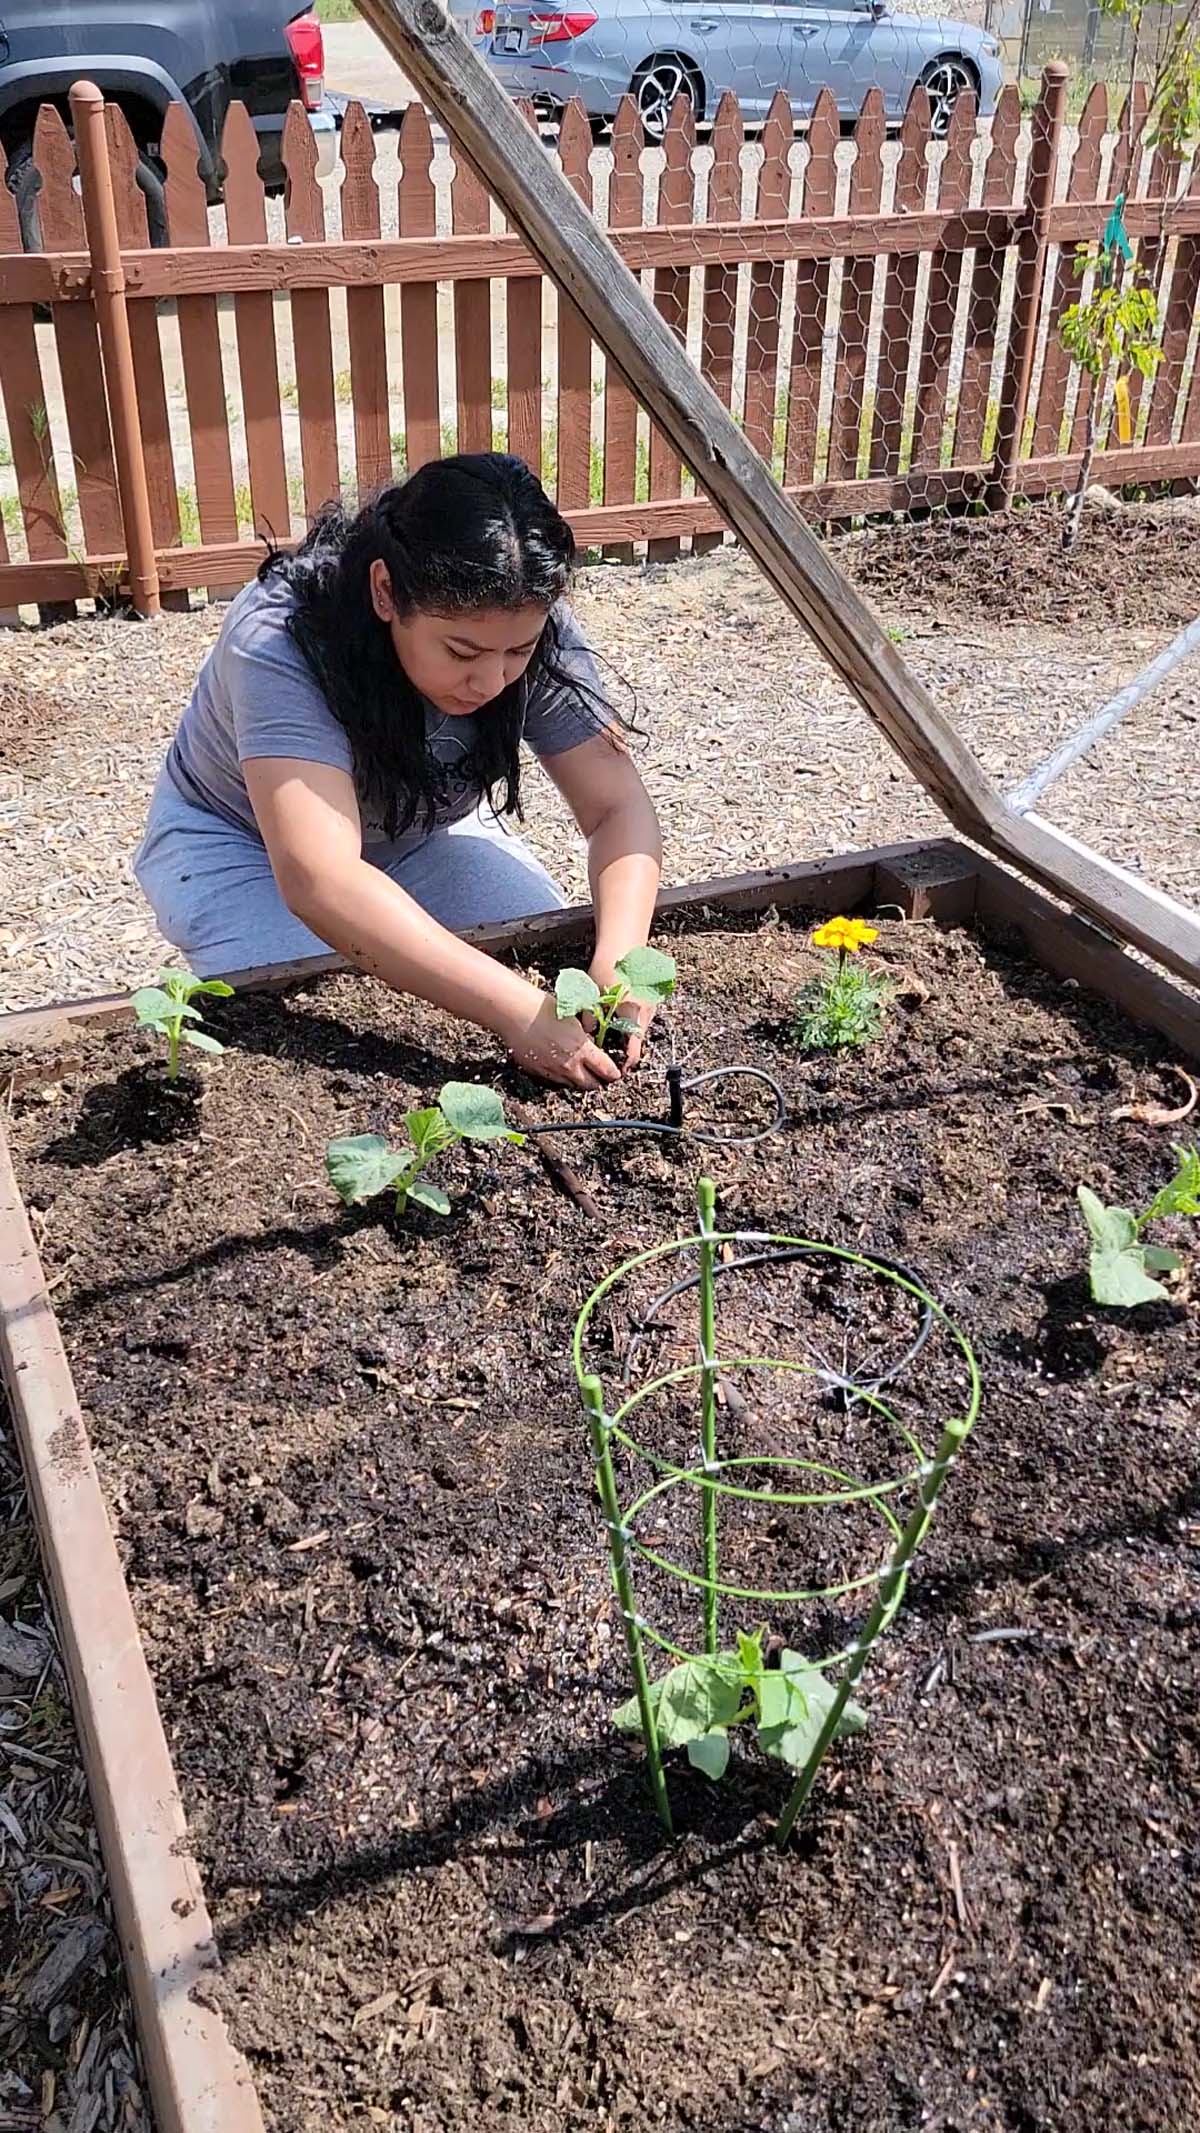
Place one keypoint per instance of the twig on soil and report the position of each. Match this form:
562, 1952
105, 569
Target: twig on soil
960, 1901
1157, 1114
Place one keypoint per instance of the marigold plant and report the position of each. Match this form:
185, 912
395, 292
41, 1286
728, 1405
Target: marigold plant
843, 1007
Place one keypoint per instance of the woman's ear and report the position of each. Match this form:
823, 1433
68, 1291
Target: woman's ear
381, 590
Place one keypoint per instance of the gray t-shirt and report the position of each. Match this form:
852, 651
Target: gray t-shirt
257, 696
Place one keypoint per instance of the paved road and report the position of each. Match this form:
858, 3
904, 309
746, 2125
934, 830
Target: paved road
356, 64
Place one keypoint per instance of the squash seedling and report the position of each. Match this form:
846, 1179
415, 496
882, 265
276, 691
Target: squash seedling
645, 976
1120, 1267
365, 1163
697, 1702
167, 1007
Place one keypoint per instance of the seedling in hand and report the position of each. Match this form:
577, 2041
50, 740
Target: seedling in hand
698, 1701
366, 1163
167, 1007
1121, 1267
645, 976
842, 1008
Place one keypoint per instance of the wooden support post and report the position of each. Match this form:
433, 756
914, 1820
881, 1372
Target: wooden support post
1027, 291
451, 77
112, 318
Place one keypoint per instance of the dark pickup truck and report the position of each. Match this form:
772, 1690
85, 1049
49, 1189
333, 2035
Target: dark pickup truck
146, 54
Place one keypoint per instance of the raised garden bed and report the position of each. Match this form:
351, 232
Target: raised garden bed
351, 1485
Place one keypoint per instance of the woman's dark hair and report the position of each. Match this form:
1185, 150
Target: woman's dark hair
471, 532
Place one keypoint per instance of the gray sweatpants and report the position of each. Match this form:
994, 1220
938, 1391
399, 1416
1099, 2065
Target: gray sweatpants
212, 891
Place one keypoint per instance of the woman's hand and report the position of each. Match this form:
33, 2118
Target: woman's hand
556, 1049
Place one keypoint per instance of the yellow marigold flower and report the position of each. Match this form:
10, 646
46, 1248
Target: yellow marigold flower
847, 935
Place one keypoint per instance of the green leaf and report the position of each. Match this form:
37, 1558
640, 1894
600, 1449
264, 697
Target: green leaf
153, 1007
710, 1753
427, 1195
201, 1040
804, 1700
1182, 1195
178, 984
1117, 1265
1120, 1278
628, 1717
576, 994
1112, 1228
362, 1165
696, 1696
428, 1130
1160, 1260
216, 986
475, 1112
648, 974
750, 1657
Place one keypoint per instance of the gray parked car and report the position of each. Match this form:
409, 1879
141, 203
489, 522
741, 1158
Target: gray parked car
265, 52
656, 50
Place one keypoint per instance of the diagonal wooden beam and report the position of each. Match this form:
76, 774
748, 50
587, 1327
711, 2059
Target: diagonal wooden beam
456, 83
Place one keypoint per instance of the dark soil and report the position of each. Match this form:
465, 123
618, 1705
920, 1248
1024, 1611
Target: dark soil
350, 1478
1129, 566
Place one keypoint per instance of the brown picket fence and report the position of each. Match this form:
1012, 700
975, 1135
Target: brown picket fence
881, 316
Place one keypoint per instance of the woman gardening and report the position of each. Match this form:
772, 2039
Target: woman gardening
339, 777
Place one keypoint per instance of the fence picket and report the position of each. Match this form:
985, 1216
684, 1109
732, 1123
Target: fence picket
78, 346
672, 286
850, 412
574, 470
418, 300
24, 396
254, 321
626, 190
470, 211
898, 332
945, 276
523, 299
311, 332
1189, 428
200, 340
1083, 184
365, 321
1177, 329
772, 204
717, 347
812, 302
983, 310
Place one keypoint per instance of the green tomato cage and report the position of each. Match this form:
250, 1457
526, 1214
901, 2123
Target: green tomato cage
904, 1503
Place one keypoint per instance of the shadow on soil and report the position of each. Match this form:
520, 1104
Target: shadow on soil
730, 1825
140, 1109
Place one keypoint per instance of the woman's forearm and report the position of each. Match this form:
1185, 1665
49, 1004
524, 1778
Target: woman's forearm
624, 868
379, 928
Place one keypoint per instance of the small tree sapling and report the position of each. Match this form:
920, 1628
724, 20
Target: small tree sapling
1120, 1266
167, 1007
698, 1701
365, 1163
645, 975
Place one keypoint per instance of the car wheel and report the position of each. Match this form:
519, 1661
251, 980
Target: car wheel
944, 81
654, 89
24, 183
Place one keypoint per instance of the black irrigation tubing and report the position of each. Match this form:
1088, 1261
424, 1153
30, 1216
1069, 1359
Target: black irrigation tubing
840, 1381
675, 1123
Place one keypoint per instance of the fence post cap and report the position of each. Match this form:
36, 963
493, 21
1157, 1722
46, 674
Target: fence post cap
86, 92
